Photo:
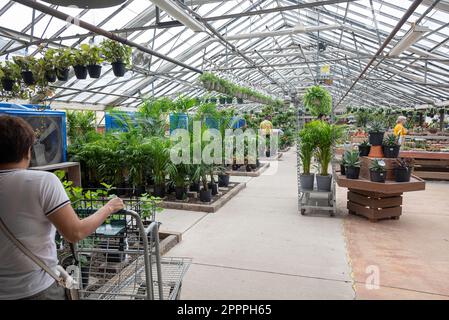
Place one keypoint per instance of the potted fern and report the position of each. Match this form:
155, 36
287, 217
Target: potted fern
377, 170
391, 146
352, 163
80, 58
119, 55
10, 75
318, 100
94, 60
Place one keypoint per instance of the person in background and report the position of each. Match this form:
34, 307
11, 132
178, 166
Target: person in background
399, 130
33, 205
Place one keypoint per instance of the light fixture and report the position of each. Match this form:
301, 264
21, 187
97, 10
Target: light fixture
415, 33
176, 12
86, 4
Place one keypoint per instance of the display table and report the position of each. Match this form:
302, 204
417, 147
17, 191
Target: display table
428, 164
377, 201
72, 168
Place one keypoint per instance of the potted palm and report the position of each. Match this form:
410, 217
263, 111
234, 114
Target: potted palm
376, 132
80, 58
94, 60
306, 153
179, 174
160, 157
318, 100
403, 169
10, 75
364, 148
119, 55
352, 162
26, 65
391, 146
377, 170
63, 60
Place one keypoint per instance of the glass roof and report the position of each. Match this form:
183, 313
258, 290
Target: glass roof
256, 43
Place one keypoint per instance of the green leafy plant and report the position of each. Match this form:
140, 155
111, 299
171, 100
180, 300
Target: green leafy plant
63, 58
391, 140
93, 54
25, 63
10, 70
365, 143
377, 125
352, 159
80, 56
149, 206
378, 165
114, 51
318, 100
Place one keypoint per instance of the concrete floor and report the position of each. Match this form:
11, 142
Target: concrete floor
259, 247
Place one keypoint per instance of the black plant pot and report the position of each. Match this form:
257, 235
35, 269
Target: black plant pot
94, 71
257, 163
268, 153
205, 195
228, 100
222, 100
323, 182
119, 68
235, 167
171, 188
307, 181
364, 151
248, 168
352, 172
376, 138
213, 187
28, 78
7, 84
342, 170
62, 74
80, 72
239, 100
402, 174
138, 191
159, 191
195, 186
377, 176
391, 152
223, 180
50, 75
180, 193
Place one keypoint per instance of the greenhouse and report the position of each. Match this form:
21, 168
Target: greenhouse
224, 150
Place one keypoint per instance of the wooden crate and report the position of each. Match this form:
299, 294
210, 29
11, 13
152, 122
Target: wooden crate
373, 205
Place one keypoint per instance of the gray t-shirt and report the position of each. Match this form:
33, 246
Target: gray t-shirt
27, 198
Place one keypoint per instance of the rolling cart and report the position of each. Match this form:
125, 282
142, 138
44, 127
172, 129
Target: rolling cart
121, 259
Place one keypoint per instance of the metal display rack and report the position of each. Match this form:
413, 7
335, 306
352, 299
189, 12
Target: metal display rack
121, 260
313, 199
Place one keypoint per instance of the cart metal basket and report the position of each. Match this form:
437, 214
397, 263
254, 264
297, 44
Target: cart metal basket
121, 259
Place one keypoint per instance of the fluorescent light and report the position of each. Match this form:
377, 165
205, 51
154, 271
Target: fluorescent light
411, 37
176, 12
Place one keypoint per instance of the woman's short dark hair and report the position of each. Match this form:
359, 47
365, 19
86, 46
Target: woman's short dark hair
16, 138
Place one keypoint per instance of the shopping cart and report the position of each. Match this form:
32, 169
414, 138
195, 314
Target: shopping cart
121, 259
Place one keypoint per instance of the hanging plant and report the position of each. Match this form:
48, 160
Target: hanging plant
119, 55
26, 65
80, 58
9, 74
94, 60
63, 60
47, 65
318, 100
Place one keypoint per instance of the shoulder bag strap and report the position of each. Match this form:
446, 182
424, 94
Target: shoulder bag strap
27, 252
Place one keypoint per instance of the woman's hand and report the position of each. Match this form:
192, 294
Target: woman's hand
115, 205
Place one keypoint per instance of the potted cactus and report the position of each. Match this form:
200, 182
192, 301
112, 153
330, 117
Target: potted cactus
376, 132
364, 148
377, 170
119, 55
352, 162
403, 169
391, 146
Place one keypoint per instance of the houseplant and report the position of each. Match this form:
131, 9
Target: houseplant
364, 148
10, 75
26, 65
352, 162
160, 157
48, 64
391, 146
119, 55
306, 149
343, 166
80, 58
63, 59
94, 60
179, 174
318, 100
376, 132
403, 169
377, 170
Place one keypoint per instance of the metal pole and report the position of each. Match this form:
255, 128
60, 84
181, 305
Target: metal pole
85, 25
401, 22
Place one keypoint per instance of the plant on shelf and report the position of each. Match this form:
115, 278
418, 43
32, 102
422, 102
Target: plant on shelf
94, 59
318, 100
10, 75
179, 174
80, 60
378, 172
27, 65
391, 146
352, 163
403, 169
119, 55
364, 148
63, 59
376, 132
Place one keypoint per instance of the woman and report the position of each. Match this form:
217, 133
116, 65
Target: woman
33, 205
399, 130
